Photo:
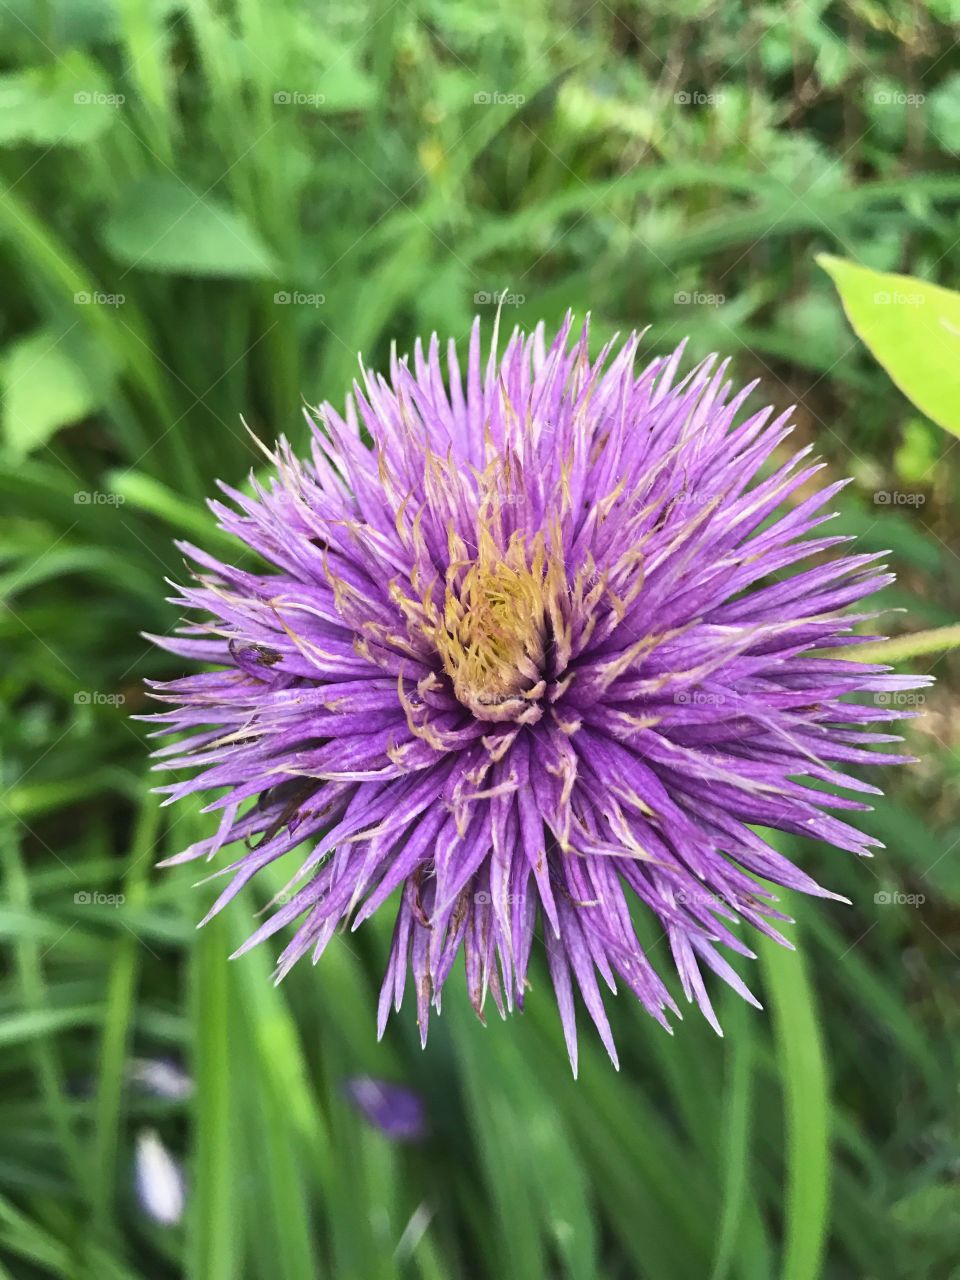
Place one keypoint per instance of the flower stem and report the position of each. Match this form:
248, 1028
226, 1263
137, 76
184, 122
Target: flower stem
909, 646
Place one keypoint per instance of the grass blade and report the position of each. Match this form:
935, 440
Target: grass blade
803, 1075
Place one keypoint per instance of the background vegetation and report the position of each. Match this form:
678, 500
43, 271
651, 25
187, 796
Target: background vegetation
207, 208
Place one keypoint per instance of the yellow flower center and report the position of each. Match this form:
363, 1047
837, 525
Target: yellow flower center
495, 629
502, 628
492, 638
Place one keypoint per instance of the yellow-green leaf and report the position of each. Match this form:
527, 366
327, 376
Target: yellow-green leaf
912, 327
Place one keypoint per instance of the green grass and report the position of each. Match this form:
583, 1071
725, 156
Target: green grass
816, 1138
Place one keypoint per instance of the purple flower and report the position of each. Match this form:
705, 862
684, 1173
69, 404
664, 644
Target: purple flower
396, 1111
158, 1179
162, 1077
544, 653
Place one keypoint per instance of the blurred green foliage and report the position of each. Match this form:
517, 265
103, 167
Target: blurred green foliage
207, 209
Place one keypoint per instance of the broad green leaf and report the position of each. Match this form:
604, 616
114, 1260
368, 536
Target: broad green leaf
162, 224
44, 389
912, 327
68, 103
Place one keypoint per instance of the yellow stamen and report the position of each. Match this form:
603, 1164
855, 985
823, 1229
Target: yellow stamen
495, 627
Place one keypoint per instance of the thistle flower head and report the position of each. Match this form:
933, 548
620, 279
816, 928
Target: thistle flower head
544, 651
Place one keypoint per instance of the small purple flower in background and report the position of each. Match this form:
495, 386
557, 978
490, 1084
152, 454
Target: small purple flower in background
161, 1077
544, 649
395, 1110
160, 1184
